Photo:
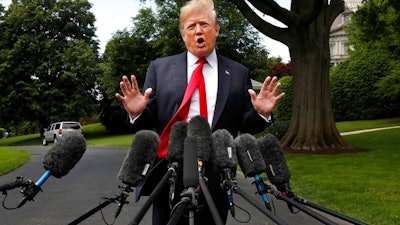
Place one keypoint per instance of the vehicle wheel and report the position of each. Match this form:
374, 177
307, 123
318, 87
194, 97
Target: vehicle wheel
44, 142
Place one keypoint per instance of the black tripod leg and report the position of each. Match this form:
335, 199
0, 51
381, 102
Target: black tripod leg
91, 212
210, 202
259, 206
178, 212
330, 212
154, 195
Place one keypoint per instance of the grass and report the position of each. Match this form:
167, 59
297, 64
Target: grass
364, 186
12, 158
366, 124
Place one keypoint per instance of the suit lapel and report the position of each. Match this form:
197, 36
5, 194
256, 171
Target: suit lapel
224, 83
179, 76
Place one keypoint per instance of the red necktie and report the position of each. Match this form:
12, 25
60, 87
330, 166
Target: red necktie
197, 80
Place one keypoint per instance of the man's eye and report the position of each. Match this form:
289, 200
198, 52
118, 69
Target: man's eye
191, 27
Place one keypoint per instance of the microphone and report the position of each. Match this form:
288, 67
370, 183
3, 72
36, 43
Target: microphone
58, 161
174, 156
137, 162
199, 128
250, 160
139, 158
190, 173
200, 40
277, 169
224, 159
176, 142
175, 153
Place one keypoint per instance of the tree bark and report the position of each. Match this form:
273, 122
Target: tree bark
312, 125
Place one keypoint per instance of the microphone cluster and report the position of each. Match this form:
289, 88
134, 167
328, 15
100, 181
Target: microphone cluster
193, 149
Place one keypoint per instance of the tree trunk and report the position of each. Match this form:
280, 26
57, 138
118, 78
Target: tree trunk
312, 124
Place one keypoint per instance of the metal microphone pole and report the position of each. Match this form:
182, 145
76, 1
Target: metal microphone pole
121, 198
308, 211
171, 173
255, 203
328, 211
210, 202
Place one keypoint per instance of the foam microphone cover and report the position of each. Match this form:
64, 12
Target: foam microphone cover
249, 156
199, 128
272, 152
63, 156
139, 158
176, 142
190, 169
223, 152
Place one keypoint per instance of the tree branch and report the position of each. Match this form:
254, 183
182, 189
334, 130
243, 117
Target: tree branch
273, 9
272, 31
335, 8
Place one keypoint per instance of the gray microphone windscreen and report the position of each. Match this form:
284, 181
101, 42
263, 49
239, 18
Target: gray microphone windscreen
249, 157
199, 128
139, 158
63, 156
223, 150
190, 169
272, 152
176, 142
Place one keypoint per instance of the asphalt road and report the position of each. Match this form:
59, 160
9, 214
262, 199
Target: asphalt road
93, 178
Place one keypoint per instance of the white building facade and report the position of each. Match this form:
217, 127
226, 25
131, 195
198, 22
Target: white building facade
338, 41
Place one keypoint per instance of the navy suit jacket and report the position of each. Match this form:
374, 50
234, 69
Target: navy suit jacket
233, 110
168, 79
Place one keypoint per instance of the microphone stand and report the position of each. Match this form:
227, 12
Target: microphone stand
231, 183
292, 202
171, 176
328, 211
207, 196
188, 201
121, 198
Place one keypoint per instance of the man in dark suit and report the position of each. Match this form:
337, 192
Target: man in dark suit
231, 102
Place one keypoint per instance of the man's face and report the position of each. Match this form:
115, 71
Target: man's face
196, 26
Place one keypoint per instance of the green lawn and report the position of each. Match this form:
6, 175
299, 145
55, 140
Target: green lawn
364, 186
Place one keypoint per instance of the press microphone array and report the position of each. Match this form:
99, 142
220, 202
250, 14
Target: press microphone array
279, 175
133, 171
58, 161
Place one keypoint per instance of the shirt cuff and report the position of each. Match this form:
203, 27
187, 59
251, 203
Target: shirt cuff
268, 118
133, 119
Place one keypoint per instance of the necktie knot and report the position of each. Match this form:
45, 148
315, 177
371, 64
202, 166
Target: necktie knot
202, 61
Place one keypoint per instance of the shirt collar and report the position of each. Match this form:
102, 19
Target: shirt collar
211, 59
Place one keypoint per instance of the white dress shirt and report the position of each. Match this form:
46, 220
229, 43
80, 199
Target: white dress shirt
210, 73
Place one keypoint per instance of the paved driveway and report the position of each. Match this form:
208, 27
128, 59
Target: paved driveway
95, 176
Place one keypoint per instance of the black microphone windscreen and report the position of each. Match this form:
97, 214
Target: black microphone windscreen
199, 128
272, 152
176, 142
190, 169
139, 158
223, 150
63, 156
249, 157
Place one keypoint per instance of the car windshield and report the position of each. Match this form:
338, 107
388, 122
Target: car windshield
74, 126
